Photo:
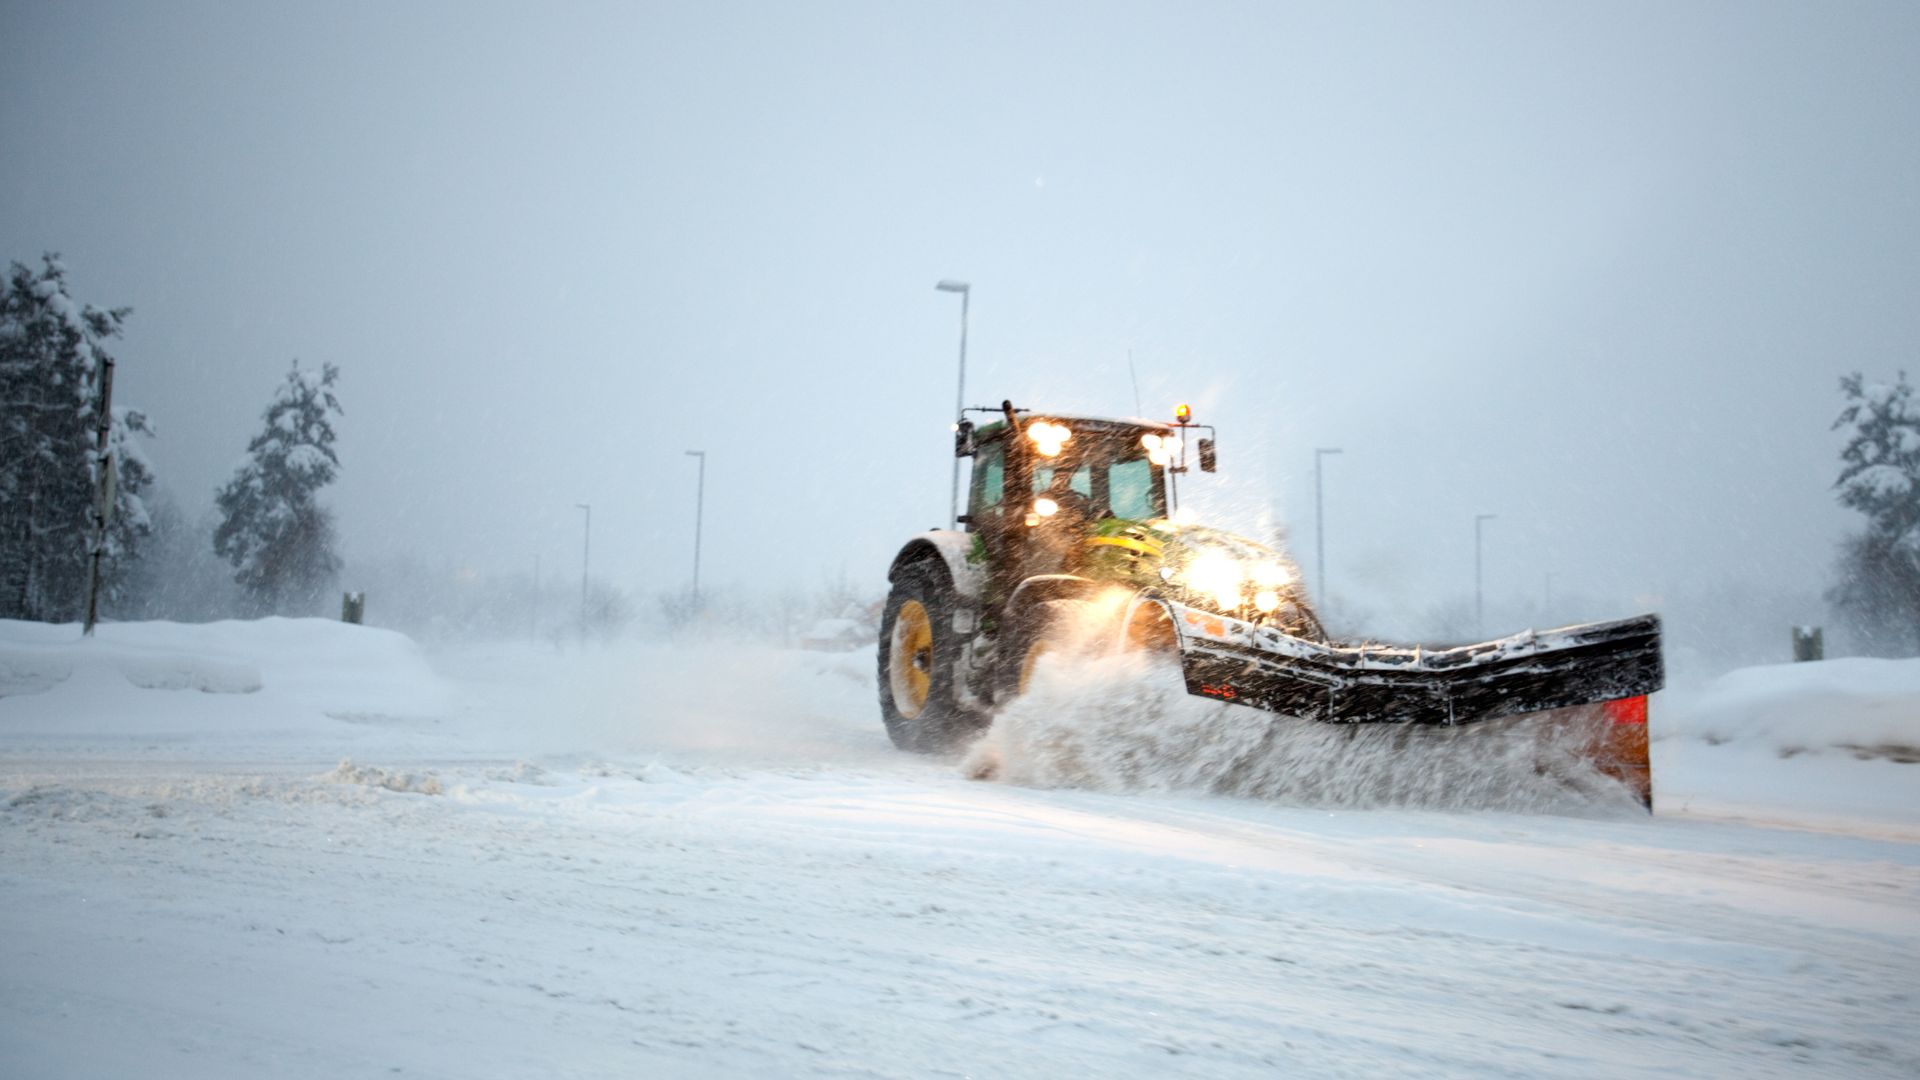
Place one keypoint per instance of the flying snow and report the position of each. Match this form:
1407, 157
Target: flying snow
1126, 723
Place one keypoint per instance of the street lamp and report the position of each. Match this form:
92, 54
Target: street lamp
1319, 524
1479, 603
586, 550
960, 394
699, 509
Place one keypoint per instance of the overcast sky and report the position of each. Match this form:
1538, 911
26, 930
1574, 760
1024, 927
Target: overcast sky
1593, 268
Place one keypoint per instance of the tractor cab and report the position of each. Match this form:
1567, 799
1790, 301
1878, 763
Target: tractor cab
1043, 485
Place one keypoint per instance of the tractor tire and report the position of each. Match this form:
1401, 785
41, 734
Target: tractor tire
1050, 626
1148, 628
919, 663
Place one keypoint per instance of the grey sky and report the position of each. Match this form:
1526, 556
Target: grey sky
1594, 268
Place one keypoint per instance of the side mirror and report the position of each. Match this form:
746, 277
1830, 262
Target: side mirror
963, 439
1208, 459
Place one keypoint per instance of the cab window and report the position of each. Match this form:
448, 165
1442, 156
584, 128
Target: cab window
1081, 482
989, 477
1130, 489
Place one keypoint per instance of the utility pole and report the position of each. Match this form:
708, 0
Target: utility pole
960, 395
104, 479
586, 550
1319, 526
699, 511
1479, 602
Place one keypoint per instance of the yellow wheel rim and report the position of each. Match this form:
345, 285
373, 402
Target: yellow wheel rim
1035, 651
910, 659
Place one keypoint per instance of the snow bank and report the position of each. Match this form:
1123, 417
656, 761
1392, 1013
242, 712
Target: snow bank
1868, 708
1830, 738
733, 704
385, 779
154, 678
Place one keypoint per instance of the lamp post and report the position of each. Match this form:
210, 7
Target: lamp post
960, 394
1479, 603
699, 509
1319, 525
586, 550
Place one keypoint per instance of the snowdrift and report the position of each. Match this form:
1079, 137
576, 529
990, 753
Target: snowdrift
736, 703
1867, 708
179, 680
1836, 738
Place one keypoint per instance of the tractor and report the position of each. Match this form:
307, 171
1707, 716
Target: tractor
1071, 542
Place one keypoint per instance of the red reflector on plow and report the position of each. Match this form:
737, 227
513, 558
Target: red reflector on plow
1620, 748
1632, 710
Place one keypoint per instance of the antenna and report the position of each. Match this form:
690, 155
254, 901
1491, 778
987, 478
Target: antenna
1131, 374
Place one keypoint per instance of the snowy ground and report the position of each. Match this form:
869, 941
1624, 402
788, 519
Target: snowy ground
682, 862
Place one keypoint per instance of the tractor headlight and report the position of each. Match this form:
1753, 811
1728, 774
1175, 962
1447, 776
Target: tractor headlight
1049, 438
1160, 448
1215, 574
1271, 576
1268, 579
1232, 582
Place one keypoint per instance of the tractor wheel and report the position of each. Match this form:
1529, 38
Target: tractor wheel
1147, 634
1054, 626
1149, 628
919, 655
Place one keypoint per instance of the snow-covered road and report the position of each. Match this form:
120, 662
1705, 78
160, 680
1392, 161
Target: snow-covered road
665, 862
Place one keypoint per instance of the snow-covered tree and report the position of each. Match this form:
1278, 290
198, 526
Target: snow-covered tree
52, 358
1879, 587
272, 529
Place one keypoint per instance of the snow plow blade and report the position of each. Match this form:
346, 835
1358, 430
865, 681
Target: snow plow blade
1615, 664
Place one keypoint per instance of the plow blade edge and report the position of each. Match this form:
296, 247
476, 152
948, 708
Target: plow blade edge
1236, 661
1587, 684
